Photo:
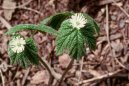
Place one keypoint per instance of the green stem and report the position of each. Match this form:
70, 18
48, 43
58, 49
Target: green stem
51, 71
47, 67
68, 67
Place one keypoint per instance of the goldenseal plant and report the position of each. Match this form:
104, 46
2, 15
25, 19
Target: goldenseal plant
22, 51
74, 32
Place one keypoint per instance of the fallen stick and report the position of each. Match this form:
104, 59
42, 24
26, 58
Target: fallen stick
51, 71
120, 8
5, 23
25, 76
99, 77
2, 78
104, 2
23, 6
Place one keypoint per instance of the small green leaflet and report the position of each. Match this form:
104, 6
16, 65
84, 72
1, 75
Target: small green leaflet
73, 41
42, 28
56, 20
92, 23
88, 33
27, 57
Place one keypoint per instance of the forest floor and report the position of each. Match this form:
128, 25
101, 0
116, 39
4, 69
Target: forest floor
108, 65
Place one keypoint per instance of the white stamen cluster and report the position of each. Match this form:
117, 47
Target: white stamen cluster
78, 20
17, 44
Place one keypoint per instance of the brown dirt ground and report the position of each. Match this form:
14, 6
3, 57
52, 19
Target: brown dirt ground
111, 55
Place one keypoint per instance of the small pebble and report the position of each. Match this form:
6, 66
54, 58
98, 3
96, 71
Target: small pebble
113, 17
122, 23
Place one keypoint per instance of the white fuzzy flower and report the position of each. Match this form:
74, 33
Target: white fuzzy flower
17, 44
78, 20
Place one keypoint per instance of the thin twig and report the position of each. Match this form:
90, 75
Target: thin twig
104, 2
81, 67
5, 23
26, 3
30, 9
107, 26
99, 77
26, 8
120, 64
112, 37
25, 76
51, 71
120, 8
69, 66
23, 6
2, 78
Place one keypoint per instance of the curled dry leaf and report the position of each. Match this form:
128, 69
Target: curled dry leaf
40, 77
90, 57
39, 38
78, 73
117, 45
64, 60
4, 66
9, 8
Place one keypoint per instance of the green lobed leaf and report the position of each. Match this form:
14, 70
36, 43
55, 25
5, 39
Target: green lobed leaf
88, 33
21, 27
27, 57
94, 25
56, 20
31, 51
70, 40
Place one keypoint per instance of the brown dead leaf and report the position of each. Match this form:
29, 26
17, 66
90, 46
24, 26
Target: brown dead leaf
8, 12
1, 32
64, 60
94, 73
40, 77
78, 73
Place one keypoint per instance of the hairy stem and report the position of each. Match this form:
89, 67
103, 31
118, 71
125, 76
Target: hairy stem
51, 71
69, 66
47, 67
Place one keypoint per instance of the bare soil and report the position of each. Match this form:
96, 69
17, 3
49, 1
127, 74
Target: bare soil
108, 65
